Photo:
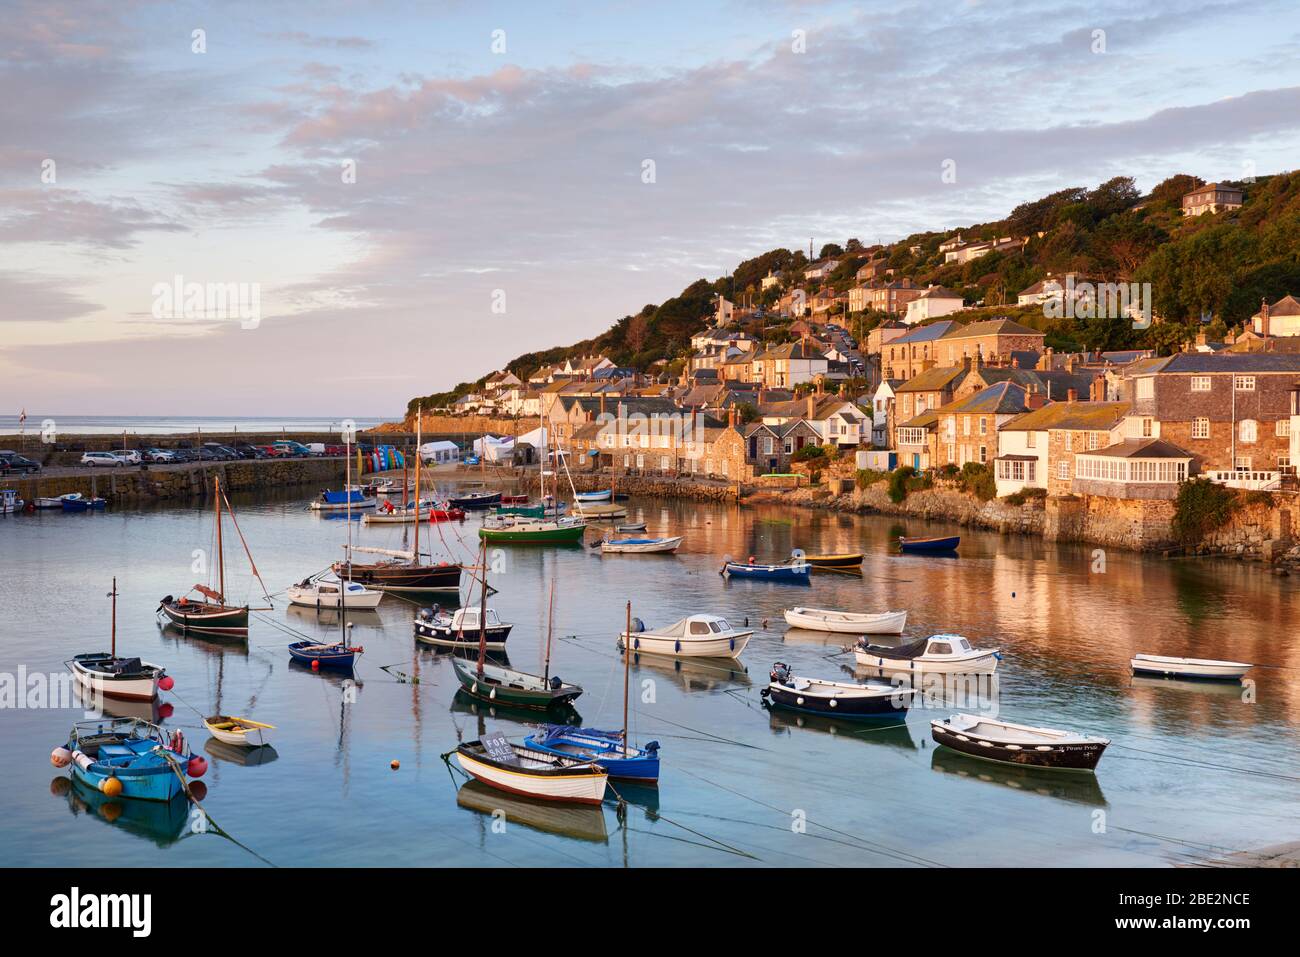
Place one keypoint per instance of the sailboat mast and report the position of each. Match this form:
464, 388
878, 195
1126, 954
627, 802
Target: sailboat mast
482, 610
221, 554
627, 657
347, 490
419, 414
113, 593
550, 621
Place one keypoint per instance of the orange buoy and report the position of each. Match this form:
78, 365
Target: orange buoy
394, 764
111, 786
315, 664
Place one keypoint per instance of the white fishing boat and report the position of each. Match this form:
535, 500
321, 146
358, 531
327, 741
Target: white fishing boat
1205, 668
9, 500
240, 732
696, 636
847, 622
521, 770
399, 515
938, 654
604, 495
115, 677
460, 628
640, 546
341, 501
1023, 744
332, 593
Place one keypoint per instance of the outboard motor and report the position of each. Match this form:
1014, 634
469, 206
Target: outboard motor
638, 625
780, 673
426, 614
556, 683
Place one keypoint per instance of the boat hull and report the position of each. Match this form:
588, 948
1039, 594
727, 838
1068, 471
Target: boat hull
603, 496
311, 598
560, 535
1069, 756
579, 788
123, 689
983, 664
469, 502
650, 546
152, 784
639, 765
444, 636
686, 647
886, 704
255, 736
834, 561
334, 657
818, 619
496, 686
402, 577
1198, 669
927, 546
791, 574
207, 618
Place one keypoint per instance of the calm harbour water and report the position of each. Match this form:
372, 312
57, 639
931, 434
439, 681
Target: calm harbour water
1193, 771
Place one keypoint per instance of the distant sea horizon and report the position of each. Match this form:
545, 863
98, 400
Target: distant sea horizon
181, 424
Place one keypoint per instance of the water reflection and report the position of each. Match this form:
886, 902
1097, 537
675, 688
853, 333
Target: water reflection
161, 822
235, 754
1061, 785
697, 674
889, 731
581, 822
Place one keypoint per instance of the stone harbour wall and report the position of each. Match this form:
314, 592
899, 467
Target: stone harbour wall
184, 481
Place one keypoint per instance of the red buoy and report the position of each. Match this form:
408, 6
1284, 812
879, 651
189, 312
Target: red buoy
166, 683
315, 664
197, 767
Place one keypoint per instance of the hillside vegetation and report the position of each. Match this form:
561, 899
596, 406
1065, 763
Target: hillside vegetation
1213, 268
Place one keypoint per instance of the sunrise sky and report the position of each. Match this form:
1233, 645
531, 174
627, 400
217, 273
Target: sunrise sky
521, 170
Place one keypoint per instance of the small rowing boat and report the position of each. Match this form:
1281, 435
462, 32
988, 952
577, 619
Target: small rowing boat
853, 560
928, 546
241, 732
796, 572
640, 546
475, 500
1206, 669
331, 501
523, 770
501, 685
604, 495
847, 622
630, 527
875, 699
1022, 744
606, 748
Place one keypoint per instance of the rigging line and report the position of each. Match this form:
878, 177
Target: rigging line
215, 828
868, 845
242, 541
720, 844
1199, 845
1178, 759
776, 827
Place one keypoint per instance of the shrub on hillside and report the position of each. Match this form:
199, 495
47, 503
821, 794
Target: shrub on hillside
1200, 508
865, 478
978, 480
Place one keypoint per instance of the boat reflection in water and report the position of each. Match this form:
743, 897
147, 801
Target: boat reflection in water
233, 753
465, 703
211, 644
582, 822
893, 733
361, 617
155, 711
965, 692
1078, 788
697, 674
161, 822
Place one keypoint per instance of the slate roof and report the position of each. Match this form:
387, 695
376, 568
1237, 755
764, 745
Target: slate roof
1073, 416
1002, 398
992, 327
1238, 362
927, 333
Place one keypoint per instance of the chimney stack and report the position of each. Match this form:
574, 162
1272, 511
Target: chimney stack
602, 404
731, 417
1263, 318
1072, 395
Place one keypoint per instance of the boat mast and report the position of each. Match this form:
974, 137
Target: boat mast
113, 594
419, 414
482, 611
221, 554
627, 658
347, 490
550, 621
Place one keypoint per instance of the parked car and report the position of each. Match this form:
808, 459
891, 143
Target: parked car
128, 456
295, 448
96, 459
184, 455
11, 461
159, 455
336, 450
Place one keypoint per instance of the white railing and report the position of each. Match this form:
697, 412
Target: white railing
1233, 478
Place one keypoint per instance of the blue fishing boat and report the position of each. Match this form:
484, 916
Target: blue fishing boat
605, 748
928, 546
331, 501
604, 495
129, 758
794, 572
81, 504
337, 656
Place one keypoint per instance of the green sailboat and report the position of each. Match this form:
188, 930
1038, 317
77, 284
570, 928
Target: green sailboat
534, 530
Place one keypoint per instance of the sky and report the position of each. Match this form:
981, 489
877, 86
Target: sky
417, 192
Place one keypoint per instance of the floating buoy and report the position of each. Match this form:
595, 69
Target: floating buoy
197, 767
165, 709
834, 702
166, 683
60, 757
798, 700
198, 790
315, 664
111, 786
111, 811
394, 764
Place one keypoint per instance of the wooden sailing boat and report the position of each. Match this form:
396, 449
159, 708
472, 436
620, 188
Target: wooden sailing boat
404, 571
210, 614
505, 685
112, 677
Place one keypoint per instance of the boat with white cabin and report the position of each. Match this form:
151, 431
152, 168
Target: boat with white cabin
695, 636
330, 592
938, 654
